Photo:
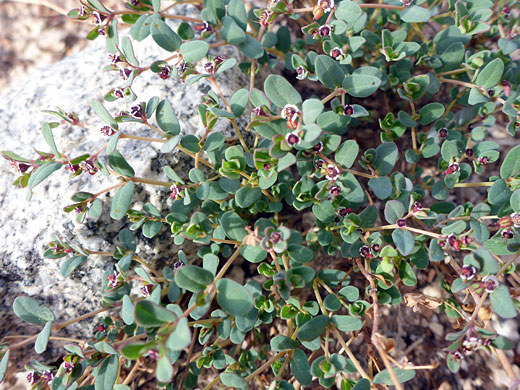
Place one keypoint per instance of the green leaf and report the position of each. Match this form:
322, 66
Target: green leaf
3, 365
394, 209
282, 343
166, 118
499, 193
127, 239
430, 113
313, 328
42, 173
363, 384
234, 381
151, 315
128, 51
151, 228
253, 254
349, 12
383, 377
71, 264
156, 4
231, 31
311, 108
251, 48
450, 150
164, 36
102, 112
191, 143
360, 85
31, 310
329, 72
324, 211
193, 278
237, 11
233, 225
246, 196
239, 101
280, 91
491, 74
107, 374
300, 367
141, 28
386, 157
127, 310
382, 186
347, 153
180, 338
406, 274
234, 298
95, 209
118, 163
121, 201
415, 14
164, 369
515, 200
43, 338
347, 323
47, 134
502, 302
511, 164
403, 240
194, 51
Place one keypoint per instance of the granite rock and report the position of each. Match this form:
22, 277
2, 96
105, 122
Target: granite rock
26, 226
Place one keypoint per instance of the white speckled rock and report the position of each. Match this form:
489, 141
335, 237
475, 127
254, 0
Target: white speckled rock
26, 226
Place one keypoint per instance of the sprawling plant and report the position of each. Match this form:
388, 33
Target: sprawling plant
341, 188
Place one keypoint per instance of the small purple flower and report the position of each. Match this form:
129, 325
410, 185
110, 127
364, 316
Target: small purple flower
258, 111
153, 354
125, 73
137, 111
443, 133
119, 93
276, 237
490, 283
175, 191
113, 279
348, 110
83, 11
456, 355
101, 328
33, 377
301, 73
181, 67
332, 172
469, 152
452, 168
209, 67
467, 272
364, 251
401, 222
135, 3
293, 138
319, 163
177, 265
507, 87
375, 248
204, 27
490, 92
146, 290
102, 31
334, 191
471, 343
48, 376
68, 366
324, 31
318, 147
89, 167
515, 219
483, 160
114, 58
266, 18
290, 112
336, 53
166, 72
73, 168
406, 3
98, 18
107, 130
326, 5
507, 234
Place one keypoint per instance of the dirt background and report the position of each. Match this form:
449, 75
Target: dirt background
33, 35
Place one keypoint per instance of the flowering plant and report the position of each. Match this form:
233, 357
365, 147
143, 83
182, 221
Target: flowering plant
337, 226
